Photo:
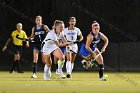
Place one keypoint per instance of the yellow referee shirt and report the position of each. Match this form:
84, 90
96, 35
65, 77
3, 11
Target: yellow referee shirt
16, 41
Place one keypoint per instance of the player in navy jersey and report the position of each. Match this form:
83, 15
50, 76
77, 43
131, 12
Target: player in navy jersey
38, 33
89, 49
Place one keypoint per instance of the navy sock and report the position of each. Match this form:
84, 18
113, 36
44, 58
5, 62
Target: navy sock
101, 70
34, 67
56, 65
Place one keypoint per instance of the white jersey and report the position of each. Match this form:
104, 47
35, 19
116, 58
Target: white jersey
71, 35
48, 45
60, 37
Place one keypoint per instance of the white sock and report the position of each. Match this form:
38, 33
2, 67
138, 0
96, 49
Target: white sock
68, 67
47, 70
72, 66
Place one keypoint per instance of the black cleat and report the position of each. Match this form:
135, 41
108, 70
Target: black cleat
12, 71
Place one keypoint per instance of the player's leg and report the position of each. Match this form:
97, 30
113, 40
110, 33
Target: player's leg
100, 65
58, 54
56, 63
74, 50
73, 59
19, 54
68, 63
13, 64
35, 60
86, 61
47, 67
16, 59
18, 63
86, 55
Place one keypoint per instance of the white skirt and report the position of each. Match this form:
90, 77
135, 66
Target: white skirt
72, 48
49, 49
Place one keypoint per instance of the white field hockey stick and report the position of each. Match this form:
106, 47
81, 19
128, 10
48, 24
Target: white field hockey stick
30, 39
92, 61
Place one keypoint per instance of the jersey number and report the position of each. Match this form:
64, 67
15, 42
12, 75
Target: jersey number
71, 37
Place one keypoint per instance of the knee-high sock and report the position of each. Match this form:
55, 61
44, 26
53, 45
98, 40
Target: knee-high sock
56, 66
101, 70
60, 65
34, 68
47, 70
72, 66
68, 67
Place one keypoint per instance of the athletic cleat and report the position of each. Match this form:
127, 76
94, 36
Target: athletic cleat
11, 72
103, 79
34, 75
56, 72
60, 74
85, 64
47, 76
68, 76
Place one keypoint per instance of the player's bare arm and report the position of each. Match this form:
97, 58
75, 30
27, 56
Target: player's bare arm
105, 39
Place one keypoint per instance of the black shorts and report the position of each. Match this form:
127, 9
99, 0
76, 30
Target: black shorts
37, 46
17, 49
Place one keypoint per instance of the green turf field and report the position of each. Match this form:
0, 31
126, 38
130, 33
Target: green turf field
82, 82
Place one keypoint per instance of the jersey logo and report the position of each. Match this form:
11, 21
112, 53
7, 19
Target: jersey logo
96, 41
71, 33
39, 33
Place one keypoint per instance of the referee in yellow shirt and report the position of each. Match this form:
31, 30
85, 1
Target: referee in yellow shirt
17, 36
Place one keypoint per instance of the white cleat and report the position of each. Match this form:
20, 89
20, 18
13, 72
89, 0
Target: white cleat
34, 76
61, 75
56, 72
47, 76
102, 79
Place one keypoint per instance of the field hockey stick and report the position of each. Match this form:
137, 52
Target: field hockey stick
93, 61
29, 39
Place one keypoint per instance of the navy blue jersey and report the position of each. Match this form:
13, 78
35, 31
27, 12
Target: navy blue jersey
40, 34
83, 51
95, 39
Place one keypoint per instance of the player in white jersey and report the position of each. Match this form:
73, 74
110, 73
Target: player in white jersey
51, 45
57, 63
72, 34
